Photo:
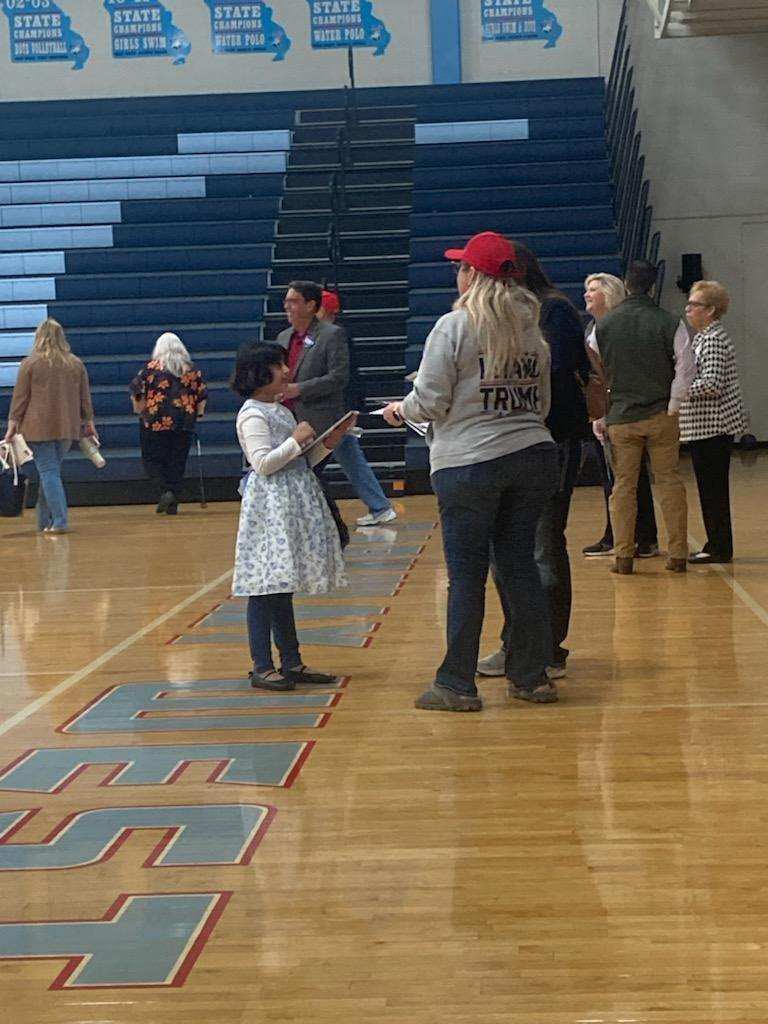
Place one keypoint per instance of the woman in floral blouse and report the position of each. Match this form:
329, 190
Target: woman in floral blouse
169, 396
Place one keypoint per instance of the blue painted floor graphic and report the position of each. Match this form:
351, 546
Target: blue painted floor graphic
194, 835
51, 770
379, 561
142, 941
154, 939
125, 708
227, 614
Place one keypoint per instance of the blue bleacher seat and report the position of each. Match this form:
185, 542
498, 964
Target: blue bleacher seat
543, 180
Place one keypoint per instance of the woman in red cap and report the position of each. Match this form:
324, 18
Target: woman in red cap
484, 388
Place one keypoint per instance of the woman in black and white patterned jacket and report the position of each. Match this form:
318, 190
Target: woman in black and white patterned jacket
710, 417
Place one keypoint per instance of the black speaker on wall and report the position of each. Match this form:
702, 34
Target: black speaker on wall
693, 271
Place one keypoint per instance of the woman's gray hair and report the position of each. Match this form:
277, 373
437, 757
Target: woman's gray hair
170, 351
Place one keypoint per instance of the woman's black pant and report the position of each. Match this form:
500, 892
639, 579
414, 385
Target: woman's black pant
711, 464
164, 454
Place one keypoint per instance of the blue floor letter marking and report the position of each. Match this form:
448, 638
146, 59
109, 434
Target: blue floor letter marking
124, 708
141, 940
194, 835
249, 764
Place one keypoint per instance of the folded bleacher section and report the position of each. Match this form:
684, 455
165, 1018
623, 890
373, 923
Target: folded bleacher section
136, 225
527, 159
125, 218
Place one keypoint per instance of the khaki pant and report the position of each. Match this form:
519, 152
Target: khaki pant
660, 436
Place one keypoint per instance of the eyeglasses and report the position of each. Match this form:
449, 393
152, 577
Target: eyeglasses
703, 305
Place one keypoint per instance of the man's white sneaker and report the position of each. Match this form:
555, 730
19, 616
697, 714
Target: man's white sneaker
493, 665
556, 671
378, 518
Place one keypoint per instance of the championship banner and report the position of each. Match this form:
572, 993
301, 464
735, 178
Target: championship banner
506, 20
145, 28
246, 28
39, 30
345, 23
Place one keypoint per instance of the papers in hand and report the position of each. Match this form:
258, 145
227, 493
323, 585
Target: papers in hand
347, 418
418, 428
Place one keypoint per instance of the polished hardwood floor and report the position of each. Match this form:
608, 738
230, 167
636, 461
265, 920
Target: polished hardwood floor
599, 861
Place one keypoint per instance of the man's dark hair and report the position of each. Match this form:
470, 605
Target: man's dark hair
254, 366
310, 291
640, 277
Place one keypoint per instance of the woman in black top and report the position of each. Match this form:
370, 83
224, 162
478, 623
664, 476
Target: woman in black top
568, 423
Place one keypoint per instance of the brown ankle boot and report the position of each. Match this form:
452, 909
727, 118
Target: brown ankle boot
623, 566
677, 565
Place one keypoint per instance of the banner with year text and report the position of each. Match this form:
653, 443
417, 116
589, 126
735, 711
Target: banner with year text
145, 28
512, 20
40, 30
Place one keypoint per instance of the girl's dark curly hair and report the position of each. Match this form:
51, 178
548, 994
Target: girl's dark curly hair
254, 366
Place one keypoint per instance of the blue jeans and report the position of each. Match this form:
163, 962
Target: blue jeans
268, 615
351, 458
491, 509
51, 501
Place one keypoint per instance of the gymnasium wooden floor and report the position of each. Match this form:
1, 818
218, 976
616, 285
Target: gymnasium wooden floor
600, 861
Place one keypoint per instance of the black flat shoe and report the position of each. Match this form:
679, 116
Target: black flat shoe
271, 681
704, 558
302, 676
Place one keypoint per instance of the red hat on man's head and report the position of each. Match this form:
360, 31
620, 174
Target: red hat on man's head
331, 302
491, 254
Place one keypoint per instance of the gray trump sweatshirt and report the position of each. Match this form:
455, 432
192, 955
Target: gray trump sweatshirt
474, 419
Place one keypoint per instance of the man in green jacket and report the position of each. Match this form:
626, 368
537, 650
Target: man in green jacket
649, 366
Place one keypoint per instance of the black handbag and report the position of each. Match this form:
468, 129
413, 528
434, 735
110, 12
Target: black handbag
13, 486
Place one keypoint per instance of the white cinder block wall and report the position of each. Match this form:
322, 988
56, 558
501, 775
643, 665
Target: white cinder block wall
704, 116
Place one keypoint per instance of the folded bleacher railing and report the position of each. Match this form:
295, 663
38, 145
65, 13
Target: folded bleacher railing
633, 213
338, 185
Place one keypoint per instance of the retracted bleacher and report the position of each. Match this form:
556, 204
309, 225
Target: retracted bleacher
126, 218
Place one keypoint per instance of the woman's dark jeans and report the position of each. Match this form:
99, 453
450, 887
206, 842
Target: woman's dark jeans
272, 615
491, 510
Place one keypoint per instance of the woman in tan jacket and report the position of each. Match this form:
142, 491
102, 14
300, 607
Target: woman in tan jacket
51, 407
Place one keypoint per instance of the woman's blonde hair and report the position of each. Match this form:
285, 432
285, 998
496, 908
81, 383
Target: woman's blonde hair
714, 294
612, 288
51, 343
502, 314
170, 351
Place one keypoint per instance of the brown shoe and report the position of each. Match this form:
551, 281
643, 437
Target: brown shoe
544, 693
677, 565
623, 566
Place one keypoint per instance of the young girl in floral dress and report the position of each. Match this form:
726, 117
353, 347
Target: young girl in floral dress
287, 540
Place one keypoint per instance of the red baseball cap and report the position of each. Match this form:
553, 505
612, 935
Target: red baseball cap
331, 302
491, 254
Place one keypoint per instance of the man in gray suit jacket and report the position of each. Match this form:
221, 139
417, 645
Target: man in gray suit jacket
318, 356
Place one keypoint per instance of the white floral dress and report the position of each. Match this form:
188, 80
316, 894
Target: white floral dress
287, 540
